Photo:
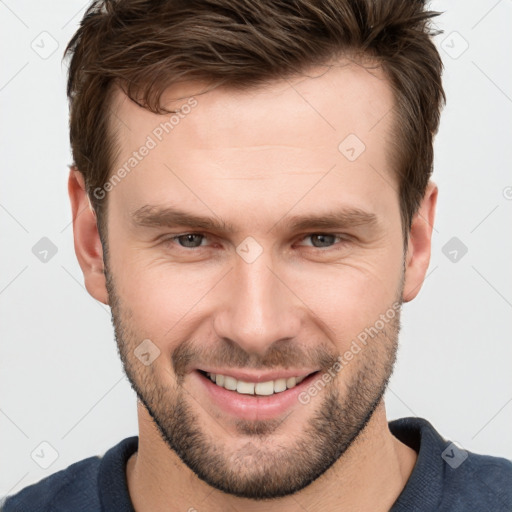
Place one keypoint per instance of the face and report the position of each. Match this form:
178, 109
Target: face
298, 255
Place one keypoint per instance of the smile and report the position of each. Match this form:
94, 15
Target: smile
267, 388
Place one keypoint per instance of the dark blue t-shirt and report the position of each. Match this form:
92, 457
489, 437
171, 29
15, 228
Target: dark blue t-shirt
445, 479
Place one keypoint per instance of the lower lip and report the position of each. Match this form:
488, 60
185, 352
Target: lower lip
253, 407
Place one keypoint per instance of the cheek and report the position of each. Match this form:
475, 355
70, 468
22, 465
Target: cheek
350, 296
168, 301
162, 298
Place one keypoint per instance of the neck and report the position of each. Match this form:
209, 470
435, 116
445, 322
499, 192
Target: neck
369, 476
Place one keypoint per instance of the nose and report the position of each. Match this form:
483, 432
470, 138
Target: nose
257, 306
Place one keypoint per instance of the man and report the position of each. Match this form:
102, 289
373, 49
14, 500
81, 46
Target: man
251, 196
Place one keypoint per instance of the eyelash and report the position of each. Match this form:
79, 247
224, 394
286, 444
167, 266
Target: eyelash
342, 238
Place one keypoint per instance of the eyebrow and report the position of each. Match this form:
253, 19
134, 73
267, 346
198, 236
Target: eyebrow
154, 216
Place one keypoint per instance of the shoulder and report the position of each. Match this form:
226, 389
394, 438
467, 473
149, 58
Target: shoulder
481, 481
73, 488
80, 487
447, 477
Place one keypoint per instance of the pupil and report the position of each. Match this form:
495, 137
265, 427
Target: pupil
324, 239
189, 240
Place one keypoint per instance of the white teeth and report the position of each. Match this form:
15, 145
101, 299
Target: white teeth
250, 388
291, 382
247, 388
279, 385
264, 388
230, 383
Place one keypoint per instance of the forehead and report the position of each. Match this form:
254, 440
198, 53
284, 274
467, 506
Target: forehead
273, 137
336, 99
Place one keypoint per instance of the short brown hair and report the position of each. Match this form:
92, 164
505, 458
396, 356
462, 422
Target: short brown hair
145, 46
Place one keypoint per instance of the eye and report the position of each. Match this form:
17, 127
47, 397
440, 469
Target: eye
188, 240
195, 240
320, 240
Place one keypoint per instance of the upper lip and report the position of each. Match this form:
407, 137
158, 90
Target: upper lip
258, 376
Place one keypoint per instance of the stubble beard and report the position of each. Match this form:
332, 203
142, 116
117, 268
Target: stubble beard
261, 469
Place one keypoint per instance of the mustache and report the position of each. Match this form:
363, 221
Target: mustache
282, 354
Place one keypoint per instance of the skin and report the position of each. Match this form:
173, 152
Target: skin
254, 158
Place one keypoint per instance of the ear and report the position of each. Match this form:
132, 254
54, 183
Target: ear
88, 248
419, 244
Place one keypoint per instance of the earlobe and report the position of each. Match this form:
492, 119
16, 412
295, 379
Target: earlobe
419, 246
88, 248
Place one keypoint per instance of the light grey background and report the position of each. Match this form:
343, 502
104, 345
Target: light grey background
60, 378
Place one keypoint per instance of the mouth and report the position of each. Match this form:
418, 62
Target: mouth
246, 387
253, 400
